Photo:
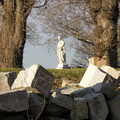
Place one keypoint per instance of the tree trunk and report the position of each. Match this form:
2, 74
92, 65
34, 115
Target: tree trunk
105, 16
13, 33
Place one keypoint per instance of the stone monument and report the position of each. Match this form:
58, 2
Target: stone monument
61, 52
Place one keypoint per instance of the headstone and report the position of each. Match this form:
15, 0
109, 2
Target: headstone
35, 78
13, 100
6, 80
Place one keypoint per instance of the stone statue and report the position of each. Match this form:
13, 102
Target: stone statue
61, 52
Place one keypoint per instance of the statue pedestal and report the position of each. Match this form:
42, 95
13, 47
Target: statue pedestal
62, 66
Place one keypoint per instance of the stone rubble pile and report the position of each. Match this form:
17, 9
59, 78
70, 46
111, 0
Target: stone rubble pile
30, 96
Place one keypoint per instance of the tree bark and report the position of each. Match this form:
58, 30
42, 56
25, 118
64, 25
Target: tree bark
105, 16
13, 32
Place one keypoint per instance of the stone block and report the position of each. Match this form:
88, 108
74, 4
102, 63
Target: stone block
79, 110
111, 71
61, 100
13, 100
81, 92
54, 110
6, 80
108, 87
37, 104
92, 76
97, 105
14, 116
114, 107
53, 118
70, 90
104, 79
98, 109
36, 78
110, 83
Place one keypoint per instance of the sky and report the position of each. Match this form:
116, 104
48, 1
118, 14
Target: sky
40, 55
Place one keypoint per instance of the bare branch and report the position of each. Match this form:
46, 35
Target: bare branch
43, 4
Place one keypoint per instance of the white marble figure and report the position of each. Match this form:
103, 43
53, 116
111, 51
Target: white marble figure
61, 52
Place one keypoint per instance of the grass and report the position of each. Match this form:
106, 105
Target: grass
71, 74
17, 70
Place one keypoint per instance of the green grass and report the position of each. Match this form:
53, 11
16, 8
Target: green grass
73, 74
17, 70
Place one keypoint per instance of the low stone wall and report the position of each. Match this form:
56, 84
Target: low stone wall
96, 97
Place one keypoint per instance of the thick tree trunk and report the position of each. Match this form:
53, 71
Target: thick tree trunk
105, 16
13, 33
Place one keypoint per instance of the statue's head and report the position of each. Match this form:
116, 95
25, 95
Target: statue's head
59, 38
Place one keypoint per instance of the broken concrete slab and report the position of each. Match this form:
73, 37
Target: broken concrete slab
36, 78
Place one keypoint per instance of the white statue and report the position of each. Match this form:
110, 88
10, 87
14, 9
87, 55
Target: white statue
61, 52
